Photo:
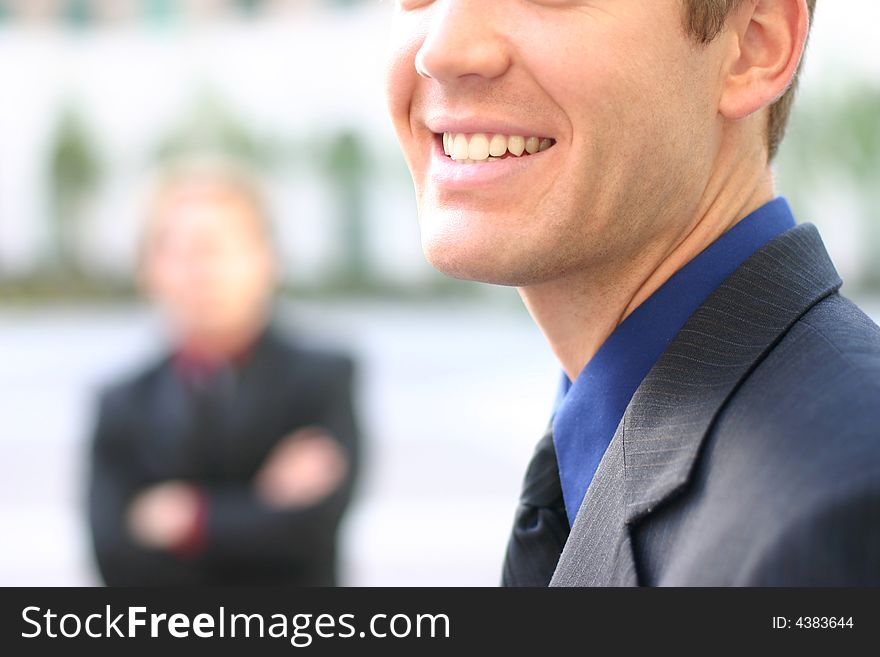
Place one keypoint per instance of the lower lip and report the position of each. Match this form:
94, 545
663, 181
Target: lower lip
449, 174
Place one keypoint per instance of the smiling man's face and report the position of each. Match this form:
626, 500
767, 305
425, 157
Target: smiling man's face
618, 103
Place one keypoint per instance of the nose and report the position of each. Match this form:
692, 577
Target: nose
463, 39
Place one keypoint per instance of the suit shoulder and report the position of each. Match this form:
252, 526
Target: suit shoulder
314, 360
830, 357
132, 385
849, 331
335, 362
809, 410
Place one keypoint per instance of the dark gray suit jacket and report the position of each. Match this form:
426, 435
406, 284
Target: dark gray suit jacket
750, 454
153, 427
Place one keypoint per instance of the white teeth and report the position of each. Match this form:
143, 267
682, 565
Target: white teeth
479, 147
460, 147
498, 145
516, 145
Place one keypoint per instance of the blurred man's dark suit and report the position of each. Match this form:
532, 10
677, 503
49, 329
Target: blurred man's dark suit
749, 455
157, 426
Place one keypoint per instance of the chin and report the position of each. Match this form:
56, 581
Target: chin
498, 248
477, 258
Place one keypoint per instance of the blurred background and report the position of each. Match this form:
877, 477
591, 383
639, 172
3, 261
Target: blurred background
455, 384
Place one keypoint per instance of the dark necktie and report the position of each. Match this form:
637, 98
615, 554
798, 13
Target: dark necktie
210, 397
540, 527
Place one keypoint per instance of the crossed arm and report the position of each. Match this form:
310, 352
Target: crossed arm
159, 532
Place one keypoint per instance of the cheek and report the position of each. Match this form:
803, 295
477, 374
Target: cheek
168, 280
609, 74
629, 132
245, 280
241, 282
400, 72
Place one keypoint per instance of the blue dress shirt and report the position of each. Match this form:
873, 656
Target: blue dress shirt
589, 410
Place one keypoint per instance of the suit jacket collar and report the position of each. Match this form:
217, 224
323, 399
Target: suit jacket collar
654, 450
590, 411
175, 420
717, 348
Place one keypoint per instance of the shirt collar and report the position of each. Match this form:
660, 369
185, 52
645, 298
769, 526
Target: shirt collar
589, 410
195, 364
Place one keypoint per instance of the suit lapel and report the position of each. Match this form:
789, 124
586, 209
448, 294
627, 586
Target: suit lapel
657, 443
248, 406
598, 551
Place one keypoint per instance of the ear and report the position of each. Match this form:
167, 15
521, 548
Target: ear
768, 38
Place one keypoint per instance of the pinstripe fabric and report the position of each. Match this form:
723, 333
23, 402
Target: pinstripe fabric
653, 453
598, 551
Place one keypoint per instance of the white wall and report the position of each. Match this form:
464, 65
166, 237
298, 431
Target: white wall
289, 78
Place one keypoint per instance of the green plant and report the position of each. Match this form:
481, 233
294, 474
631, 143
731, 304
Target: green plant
75, 171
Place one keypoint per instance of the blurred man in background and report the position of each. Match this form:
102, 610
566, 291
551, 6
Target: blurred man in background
231, 459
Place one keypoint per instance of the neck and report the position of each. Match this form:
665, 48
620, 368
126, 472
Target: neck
578, 312
218, 346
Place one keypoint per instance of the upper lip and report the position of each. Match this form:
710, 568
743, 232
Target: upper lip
472, 124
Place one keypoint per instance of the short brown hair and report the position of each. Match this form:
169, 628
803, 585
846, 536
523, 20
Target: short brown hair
704, 20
